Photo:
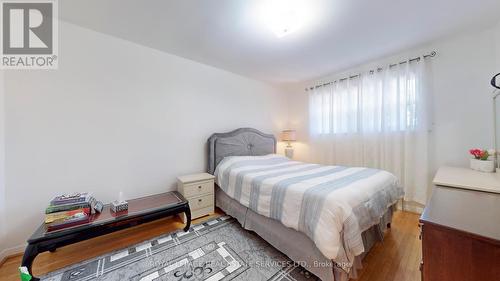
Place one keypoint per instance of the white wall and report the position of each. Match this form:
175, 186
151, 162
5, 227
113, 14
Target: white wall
2, 166
498, 46
298, 119
117, 116
462, 95
497, 70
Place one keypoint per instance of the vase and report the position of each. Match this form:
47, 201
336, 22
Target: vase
487, 166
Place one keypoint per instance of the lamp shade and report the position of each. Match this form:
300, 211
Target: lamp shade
288, 135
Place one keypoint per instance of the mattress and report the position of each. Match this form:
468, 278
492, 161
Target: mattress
331, 205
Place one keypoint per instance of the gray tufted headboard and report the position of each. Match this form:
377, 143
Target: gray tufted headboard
240, 142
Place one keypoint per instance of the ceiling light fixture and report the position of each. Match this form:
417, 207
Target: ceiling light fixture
283, 17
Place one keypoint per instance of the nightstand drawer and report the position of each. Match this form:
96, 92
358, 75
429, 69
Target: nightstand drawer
198, 213
201, 202
198, 189
202, 212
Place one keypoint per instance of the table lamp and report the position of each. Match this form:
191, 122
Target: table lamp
288, 136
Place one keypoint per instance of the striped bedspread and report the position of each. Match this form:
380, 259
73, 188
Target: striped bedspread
332, 205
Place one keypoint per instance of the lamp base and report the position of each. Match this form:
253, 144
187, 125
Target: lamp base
289, 152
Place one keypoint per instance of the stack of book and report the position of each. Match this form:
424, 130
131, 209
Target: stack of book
69, 210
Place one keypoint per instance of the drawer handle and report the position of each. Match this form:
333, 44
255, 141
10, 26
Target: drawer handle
199, 186
420, 226
199, 200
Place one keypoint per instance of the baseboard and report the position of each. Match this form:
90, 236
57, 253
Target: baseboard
410, 206
11, 252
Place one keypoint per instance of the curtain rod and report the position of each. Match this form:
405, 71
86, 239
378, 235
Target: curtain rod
430, 55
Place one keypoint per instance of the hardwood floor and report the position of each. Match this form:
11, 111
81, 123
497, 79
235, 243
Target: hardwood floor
395, 259
47, 262
398, 257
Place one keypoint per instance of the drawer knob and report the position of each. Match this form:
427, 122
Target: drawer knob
199, 200
199, 186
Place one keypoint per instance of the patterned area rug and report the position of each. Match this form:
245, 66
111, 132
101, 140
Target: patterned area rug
219, 249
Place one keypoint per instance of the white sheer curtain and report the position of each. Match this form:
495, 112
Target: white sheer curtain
379, 120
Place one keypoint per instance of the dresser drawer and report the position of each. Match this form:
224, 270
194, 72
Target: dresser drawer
197, 189
201, 202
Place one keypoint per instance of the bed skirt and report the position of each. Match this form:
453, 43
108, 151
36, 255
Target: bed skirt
297, 246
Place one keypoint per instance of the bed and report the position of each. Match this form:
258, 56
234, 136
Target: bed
326, 218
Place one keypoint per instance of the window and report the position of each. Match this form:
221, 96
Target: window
380, 102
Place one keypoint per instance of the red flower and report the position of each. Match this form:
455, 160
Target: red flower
479, 154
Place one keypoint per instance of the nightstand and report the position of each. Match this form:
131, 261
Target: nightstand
198, 189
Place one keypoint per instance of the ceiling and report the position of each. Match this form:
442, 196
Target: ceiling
229, 35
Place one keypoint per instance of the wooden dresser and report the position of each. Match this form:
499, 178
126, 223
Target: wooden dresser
460, 227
